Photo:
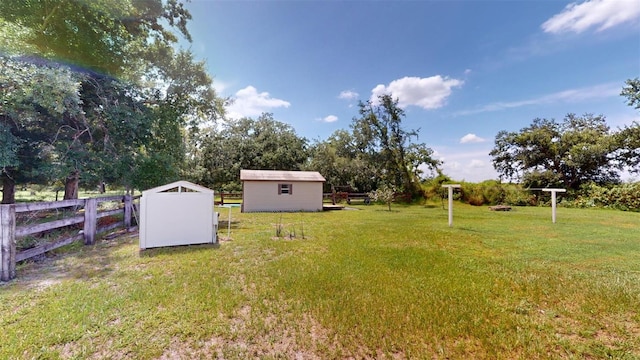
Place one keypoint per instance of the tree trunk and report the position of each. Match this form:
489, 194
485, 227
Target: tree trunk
71, 185
8, 190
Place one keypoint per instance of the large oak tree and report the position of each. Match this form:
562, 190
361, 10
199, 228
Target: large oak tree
140, 98
569, 153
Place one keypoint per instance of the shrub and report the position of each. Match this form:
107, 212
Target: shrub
624, 197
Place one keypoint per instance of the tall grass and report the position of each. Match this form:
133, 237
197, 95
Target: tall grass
366, 284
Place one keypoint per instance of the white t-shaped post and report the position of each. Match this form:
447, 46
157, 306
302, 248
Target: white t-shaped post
450, 188
553, 201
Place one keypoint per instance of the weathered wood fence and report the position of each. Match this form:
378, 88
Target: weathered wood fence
9, 231
229, 196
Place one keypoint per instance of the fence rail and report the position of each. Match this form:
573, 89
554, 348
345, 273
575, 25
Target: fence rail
228, 196
9, 256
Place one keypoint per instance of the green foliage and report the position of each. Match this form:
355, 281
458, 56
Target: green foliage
432, 187
261, 144
628, 141
624, 197
377, 151
516, 196
40, 118
106, 36
490, 192
342, 164
566, 154
380, 137
632, 92
8, 148
153, 170
135, 95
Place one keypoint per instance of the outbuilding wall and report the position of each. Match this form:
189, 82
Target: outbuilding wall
262, 196
177, 218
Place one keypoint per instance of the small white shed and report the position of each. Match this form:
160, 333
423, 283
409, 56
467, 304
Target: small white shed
270, 190
180, 213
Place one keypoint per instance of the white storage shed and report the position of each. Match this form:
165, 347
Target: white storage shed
180, 213
270, 190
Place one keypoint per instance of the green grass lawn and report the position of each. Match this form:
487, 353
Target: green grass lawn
350, 284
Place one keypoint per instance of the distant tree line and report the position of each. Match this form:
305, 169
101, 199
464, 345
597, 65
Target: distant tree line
377, 151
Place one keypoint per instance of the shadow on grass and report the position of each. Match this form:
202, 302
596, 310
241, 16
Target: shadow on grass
182, 249
74, 261
432, 206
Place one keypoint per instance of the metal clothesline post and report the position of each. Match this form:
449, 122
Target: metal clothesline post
229, 206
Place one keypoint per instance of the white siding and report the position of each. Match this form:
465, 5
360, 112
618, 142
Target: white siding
263, 196
177, 218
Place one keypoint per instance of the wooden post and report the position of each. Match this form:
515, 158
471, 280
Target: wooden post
128, 207
7, 242
553, 202
90, 221
450, 188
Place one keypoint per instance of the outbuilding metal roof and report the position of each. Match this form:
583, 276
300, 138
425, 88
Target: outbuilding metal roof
276, 175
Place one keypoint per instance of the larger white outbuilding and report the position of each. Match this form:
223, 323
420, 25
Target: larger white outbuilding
180, 213
271, 190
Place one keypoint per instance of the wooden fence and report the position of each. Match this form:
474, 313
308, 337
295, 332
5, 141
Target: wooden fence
237, 196
9, 231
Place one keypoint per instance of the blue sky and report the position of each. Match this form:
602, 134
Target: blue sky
462, 70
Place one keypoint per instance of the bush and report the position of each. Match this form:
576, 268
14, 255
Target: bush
490, 192
624, 197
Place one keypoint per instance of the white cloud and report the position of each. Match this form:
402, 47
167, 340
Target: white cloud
476, 164
471, 138
330, 119
249, 102
567, 96
427, 93
602, 14
219, 86
467, 71
348, 95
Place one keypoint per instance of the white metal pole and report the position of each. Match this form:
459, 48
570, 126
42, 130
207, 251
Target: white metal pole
229, 225
450, 206
450, 193
553, 202
553, 207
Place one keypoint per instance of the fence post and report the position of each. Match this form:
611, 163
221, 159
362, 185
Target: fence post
128, 207
90, 220
7, 242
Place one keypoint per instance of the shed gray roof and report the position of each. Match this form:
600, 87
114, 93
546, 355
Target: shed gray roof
276, 175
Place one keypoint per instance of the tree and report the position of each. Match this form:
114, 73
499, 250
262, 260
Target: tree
567, 154
183, 100
105, 36
628, 138
125, 72
120, 129
41, 118
262, 144
341, 164
632, 92
384, 194
379, 134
